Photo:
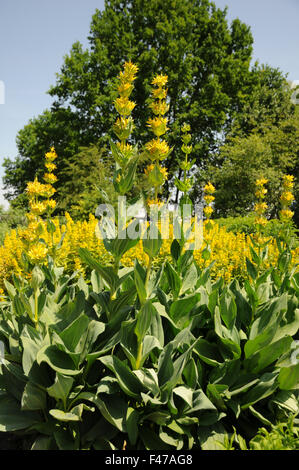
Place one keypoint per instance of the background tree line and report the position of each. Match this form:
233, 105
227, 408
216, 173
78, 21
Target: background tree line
243, 121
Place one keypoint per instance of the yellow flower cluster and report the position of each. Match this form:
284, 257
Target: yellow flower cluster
76, 235
208, 198
155, 174
35, 248
125, 78
124, 124
228, 250
260, 206
157, 149
287, 198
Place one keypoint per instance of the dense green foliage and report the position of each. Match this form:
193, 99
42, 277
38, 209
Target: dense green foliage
10, 219
175, 361
248, 225
270, 151
283, 436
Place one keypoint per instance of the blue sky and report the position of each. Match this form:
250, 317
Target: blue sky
36, 34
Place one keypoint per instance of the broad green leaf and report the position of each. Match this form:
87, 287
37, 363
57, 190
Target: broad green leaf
149, 344
67, 438
14, 379
229, 340
75, 414
152, 441
10, 289
228, 309
106, 272
108, 385
260, 417
128, 382
132, 421
251, 269
30, 351
74, 335
165, 365
244, 307
213, 301
119, 246
189, 279
162, 313
210, 436
33, 398
271, 313
96, 281
267, 355
289, 377
201, 403
285, 399
67, 417
152, 241
185, 393
144, 317
42, 443
175, 250
180, 309
149, 379
156, 326
58, 360
266, 385
128, 340
123, 300
170, 440
208, 352
61, 388
226, 373
12, 418
264, 328
113, 409
140, 283
190, 373
215, 393
158, 417
174, 280
178, 367
17, 305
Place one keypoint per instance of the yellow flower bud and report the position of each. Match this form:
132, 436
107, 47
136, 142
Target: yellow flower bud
158, 125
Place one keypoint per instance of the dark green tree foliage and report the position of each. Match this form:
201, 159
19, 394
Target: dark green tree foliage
264, 141
211, 86
57, 127
84, 173
207, 62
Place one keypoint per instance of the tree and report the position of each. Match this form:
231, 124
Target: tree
86, 174
211, 86
207, 63
57, 128
270, 152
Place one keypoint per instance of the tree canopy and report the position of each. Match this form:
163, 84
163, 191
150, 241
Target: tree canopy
211, 85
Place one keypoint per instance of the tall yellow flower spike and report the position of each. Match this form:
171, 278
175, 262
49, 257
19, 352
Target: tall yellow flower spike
37, 251
208, 210
124, 124
287, 198
157, 149
260, 206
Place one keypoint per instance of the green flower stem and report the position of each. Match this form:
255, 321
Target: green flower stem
36, 308
140, 344
148, 270
139, 356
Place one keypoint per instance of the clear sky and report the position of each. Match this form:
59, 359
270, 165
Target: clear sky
36, 34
